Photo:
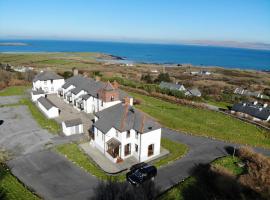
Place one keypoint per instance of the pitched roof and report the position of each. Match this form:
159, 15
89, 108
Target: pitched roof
39, 91
46, 103
47, 75
257, 111
108, 87
195, 92
171, 86
124, 117
73, 122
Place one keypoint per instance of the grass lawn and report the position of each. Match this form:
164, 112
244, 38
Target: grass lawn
76, 155
14, 90
12, 188
203, 122
177, 150
49, 124
178, 191
220, 104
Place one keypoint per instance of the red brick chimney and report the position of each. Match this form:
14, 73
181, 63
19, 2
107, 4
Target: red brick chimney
115, 84
124, 116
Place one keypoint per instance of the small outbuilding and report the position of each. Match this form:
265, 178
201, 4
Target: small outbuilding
48, 108
36, 94
73, 126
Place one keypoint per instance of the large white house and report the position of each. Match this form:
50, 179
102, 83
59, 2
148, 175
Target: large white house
122, 131
48, 81
91, 96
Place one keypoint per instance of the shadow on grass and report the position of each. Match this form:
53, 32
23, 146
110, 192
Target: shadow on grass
212, 184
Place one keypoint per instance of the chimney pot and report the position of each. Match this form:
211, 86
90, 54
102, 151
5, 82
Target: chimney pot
75, 71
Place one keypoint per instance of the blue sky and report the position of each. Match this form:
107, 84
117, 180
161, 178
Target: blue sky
137, 20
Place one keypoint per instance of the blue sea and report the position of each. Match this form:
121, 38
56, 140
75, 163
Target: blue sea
155, 53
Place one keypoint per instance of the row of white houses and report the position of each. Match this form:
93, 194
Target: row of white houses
119, 130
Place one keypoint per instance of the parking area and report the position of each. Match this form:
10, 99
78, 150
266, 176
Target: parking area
9, 100
19, 132
68, 112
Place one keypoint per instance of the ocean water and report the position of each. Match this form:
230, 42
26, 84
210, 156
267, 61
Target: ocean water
155, 53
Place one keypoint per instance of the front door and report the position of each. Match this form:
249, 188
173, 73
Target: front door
127, 149
150, 150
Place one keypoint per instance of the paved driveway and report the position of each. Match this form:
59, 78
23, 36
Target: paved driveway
9, 99
20, 134
68, 112
53, 177
201, 151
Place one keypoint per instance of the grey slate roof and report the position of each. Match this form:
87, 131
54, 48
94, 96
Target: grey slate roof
124, 117
171, 86
47, 75
39, 91
195, 92
46, 103
73, 122
257, 111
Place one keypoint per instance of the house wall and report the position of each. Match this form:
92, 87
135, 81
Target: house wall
74, 97
72, 130
49, 86
143, 141
51, 113
36, 96
152, 137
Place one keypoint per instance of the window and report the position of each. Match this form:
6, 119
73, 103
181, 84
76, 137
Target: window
136, 148
128, 134
116, 133
52, 89
102, 137
137, 135
51, 81
112, 98
127, 149
45, 82
150, 150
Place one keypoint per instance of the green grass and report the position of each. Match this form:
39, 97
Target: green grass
76, 155
230, 163
203, 122
220, 104
14, 90
176, 149
12, 188
49, 124
55, 61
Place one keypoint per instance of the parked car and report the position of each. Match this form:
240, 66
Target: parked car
140, 173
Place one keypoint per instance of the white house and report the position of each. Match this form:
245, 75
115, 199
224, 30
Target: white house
48, 108
48, 81
122, 131
172, 86
91, 96
71, 127
36, 94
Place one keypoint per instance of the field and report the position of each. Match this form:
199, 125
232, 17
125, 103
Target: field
15, 90
203, 122
11, 188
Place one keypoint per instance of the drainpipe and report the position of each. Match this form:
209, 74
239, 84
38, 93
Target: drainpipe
140, 148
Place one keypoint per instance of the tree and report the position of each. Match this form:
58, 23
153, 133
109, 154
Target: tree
147, 78
163, 77
112, 189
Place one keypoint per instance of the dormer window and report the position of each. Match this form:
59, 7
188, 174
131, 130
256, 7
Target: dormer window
45, 82
136, 134
112, 98
128, 134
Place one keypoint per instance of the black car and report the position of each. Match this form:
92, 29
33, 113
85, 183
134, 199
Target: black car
140, 173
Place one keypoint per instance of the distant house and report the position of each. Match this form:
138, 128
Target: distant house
245, 92
73, 126
48, 81
47, 107
172, 86
193, 92
255, 110
202, 72
122, 131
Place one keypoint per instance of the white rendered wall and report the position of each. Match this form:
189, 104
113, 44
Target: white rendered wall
49, 86
51, 113
72, 130
35, 97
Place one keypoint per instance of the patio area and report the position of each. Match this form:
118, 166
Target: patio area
113, 168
